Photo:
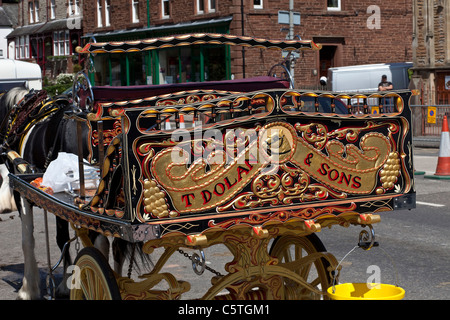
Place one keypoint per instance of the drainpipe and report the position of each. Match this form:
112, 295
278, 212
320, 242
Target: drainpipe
148, 54
291, 35
242, 31
148, 13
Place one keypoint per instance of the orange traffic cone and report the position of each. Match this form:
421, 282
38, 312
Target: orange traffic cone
196, 121
182, 124
167, 124
443, 164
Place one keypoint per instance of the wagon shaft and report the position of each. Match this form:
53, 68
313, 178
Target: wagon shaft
142, 290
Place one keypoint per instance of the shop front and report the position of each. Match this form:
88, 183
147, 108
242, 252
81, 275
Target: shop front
195, 63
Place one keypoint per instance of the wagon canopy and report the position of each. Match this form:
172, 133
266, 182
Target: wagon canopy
198, 38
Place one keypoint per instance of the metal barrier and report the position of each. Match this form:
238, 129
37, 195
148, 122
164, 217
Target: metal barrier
422, 126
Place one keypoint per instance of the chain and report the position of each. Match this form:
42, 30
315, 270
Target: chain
196, 261
77, 245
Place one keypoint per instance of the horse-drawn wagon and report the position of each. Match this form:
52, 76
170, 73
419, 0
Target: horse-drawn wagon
251, 164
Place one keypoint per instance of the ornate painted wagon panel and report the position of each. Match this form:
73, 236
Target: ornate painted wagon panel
275, 164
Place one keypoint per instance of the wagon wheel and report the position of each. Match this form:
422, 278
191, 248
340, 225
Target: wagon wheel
93, 279
314, 270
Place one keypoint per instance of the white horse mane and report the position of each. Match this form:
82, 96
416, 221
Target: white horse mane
13, 96
7, 101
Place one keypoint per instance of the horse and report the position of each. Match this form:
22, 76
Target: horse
36, 144
39, 145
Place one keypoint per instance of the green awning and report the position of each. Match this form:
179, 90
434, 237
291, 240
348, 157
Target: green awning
218, 25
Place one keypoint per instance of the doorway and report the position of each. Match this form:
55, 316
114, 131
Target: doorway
330, 55
327, 59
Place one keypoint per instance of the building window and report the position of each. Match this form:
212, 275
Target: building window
22, 47
107, 13
165, 9
99, 14
36, 11
31, 11
52, 9
211, 5
61, 43
135, 10
33, 8
74, 7
103, 18
77, 7
334, 5
257, 4
200, 7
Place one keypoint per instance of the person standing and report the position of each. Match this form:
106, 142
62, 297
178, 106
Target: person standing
385, 85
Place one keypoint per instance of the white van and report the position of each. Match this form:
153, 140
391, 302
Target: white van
365, 78
15, 73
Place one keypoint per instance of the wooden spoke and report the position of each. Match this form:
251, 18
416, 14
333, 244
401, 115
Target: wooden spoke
96, 280
304, 256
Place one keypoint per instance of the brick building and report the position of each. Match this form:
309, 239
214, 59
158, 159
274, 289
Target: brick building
431, 51
351, 32
47, 33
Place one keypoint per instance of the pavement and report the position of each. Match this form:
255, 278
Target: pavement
426, 154
426, 141
425, 161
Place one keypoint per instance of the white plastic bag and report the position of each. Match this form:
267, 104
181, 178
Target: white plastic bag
63, 174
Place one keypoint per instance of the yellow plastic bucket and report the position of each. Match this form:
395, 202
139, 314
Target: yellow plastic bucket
360, 291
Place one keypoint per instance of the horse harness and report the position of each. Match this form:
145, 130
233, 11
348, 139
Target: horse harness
35, 106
